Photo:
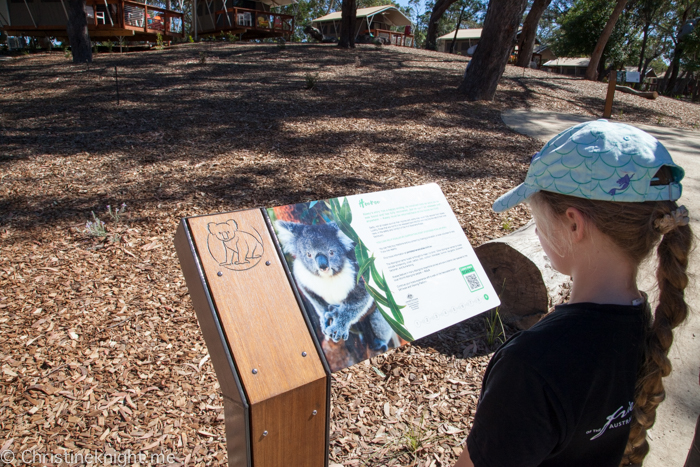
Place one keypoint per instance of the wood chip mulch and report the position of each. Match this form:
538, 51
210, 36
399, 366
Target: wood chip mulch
101, 351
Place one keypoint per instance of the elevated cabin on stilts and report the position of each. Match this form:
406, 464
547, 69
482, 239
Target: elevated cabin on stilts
386, 23
247, 18
106, 19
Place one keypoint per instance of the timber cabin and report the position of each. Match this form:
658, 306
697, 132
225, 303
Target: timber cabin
114, 19
250, 19
385, 23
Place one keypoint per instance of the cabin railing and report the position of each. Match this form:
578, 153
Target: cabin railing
254, 20
392, 37
135, 16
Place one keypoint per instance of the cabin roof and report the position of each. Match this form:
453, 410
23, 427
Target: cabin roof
462, 34
390, 12
568, 62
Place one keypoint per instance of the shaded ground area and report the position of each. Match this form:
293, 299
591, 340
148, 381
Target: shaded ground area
101, 348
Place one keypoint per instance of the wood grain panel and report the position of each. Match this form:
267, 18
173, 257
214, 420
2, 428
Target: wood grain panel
295, 436
257, 308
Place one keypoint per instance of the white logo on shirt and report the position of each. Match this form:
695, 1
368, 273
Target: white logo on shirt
621, 414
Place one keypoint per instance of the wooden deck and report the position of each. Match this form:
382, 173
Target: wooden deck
392, 37
252, 24
116, 18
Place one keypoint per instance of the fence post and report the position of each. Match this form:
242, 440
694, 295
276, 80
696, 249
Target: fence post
612, 80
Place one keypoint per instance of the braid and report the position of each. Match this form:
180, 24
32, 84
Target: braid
673, 252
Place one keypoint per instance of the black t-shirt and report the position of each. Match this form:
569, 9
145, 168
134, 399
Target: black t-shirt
561, 393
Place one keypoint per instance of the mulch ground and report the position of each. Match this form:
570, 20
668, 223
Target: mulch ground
101, 350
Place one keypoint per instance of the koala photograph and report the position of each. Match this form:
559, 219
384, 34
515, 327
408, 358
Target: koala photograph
325, 270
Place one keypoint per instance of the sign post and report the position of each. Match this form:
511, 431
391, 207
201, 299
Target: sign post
286, 295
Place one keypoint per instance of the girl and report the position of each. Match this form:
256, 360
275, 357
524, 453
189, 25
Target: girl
581, 387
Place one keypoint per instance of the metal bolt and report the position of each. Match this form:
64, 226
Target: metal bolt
255, 371
303, 354
265, 433
314, 412
219, 273
267, 263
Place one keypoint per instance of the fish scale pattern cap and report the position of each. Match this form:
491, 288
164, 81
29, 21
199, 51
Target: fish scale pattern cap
599, 160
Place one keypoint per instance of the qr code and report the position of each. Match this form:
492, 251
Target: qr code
473, 281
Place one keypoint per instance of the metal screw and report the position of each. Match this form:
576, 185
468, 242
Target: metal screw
255, 371
219, 273
303, 354
267, 263
314, 412
265, 433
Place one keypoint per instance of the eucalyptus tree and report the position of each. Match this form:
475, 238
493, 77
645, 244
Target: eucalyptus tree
491, 56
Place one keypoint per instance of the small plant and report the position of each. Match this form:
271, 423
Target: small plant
311, 80
96, 228
495, 332
203, 58
109, 45
190, 39
230, 37
658, 120
507, 224
25, 52
159, 41
117, 213
378, 42
413, 438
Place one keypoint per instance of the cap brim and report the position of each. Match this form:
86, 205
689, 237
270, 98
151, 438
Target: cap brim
514, 197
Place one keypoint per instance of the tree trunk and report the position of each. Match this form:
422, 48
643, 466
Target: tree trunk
459, 22
439, 9
529, 32
523, 276
348, 23
491, 55
672, 72
78, 32
592, 70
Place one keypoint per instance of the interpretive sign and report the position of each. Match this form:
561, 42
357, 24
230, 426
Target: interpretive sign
286, 295
381, 269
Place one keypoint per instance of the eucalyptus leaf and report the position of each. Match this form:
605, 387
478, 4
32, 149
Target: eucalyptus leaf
376, 295
346, 211
398, 329
364, 267
379, 279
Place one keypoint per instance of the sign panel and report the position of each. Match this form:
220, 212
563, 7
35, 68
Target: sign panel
632, 76
380, 269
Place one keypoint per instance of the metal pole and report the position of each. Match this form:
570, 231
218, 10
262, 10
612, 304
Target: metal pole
194, 18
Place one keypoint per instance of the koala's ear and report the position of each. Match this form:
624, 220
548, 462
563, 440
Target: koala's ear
210, 226
232, 224
287, 233
345, 240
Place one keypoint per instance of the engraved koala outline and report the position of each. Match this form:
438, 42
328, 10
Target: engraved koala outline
243, 246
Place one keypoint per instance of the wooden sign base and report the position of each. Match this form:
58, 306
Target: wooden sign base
275, 383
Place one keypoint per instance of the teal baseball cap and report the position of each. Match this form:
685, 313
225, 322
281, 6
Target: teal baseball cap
600, 160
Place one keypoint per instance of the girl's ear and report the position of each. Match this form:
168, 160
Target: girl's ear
575, 224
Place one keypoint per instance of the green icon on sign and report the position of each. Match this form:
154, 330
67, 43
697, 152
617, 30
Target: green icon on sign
486, 296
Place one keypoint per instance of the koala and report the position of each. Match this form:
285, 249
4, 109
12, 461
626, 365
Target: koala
325, 269
242, 245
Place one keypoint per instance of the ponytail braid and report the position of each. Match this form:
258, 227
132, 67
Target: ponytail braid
673, 252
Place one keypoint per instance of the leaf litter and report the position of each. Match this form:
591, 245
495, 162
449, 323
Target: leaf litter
101, 350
